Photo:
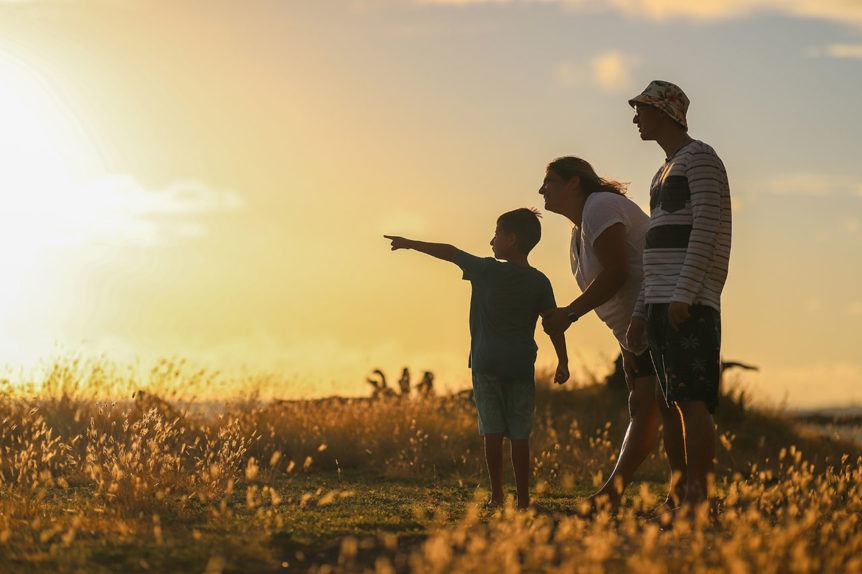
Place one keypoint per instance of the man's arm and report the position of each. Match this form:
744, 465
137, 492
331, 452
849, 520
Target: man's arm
439, 250
704, 175
610, 248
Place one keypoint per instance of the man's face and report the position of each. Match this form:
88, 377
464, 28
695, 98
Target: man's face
648, 120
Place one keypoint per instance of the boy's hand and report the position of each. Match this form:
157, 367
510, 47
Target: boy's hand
398, 242
636, 332
562, 374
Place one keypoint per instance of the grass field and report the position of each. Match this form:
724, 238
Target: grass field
88, 484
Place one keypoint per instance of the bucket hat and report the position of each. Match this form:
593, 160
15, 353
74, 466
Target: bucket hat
667, 97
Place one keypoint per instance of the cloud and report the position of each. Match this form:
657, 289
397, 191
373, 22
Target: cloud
612, 71
839, 51
842, 11
812, 184
114, 209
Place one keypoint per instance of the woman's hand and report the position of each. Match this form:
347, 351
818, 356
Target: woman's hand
630, 367
636, 333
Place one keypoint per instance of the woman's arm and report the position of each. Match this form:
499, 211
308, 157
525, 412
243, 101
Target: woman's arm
610, 248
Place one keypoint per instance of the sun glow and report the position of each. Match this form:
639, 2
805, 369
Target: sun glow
45, 157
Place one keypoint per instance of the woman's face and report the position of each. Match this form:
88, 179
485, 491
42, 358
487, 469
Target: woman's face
558, 191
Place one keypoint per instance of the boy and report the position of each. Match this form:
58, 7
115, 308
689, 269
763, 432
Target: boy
508, 297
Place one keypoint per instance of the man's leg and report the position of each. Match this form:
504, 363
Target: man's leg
521, 466
674, 447
638, 441
494, 460
699, 450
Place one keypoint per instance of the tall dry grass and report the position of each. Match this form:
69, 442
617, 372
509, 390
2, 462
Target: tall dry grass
119, 466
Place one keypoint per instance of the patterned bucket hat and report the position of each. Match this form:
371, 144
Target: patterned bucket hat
665, 96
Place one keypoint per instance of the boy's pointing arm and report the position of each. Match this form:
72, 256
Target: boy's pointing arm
439, 250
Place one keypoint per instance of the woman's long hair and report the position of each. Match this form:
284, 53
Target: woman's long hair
569, 167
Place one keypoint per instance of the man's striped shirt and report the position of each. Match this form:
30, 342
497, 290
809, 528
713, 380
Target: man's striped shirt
687, 247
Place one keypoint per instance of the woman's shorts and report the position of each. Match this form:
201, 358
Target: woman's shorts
644, 365
504, 405
687, 361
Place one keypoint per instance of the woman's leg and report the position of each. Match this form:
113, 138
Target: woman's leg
639, 439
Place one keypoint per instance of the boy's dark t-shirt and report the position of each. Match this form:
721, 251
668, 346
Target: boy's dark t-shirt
504, 307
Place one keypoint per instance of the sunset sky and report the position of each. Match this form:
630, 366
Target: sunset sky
211, 179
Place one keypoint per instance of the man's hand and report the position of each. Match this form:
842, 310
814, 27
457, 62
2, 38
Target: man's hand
557, 321
630, 367
562, 374
677, 314
636, 332
398, 242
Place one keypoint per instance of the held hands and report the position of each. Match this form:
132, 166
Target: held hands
398, 242
677, 314
556, 322
562, 374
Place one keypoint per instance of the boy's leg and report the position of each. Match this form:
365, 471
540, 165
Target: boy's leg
521, 466
699, 450
520, 405
494, 461
639, 439
674, 447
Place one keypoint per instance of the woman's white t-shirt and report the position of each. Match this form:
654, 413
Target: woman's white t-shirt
602, 210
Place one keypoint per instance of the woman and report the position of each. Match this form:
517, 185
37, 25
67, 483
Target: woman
607, 260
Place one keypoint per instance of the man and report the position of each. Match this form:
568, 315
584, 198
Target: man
686, 256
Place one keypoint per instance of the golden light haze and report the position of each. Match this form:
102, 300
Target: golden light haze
212, 181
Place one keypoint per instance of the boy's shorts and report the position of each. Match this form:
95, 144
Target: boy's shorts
504, 405
687, 361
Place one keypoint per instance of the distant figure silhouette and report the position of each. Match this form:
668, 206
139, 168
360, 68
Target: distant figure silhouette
381, 390
404, 382
426, 385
